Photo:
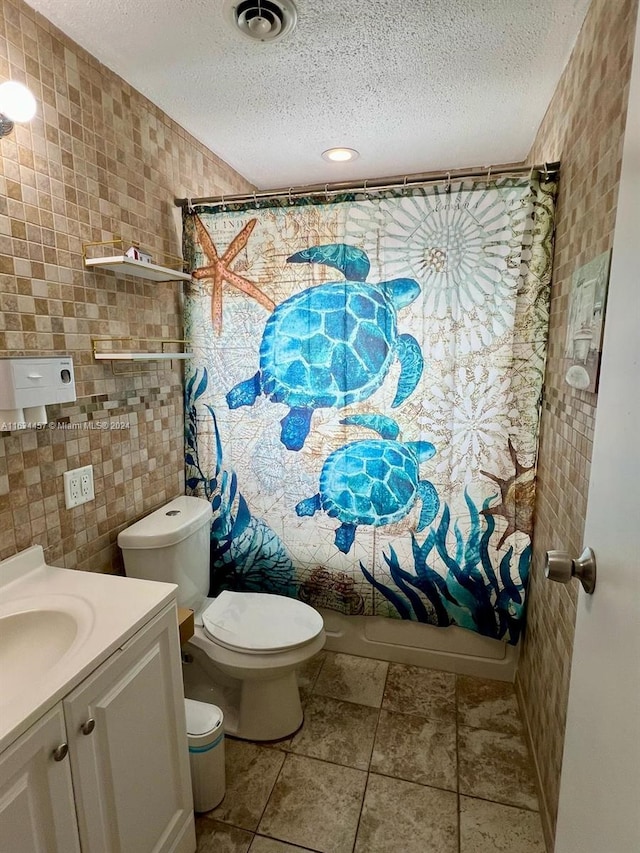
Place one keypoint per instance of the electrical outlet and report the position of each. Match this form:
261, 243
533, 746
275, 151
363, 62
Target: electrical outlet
86, 482
78, 486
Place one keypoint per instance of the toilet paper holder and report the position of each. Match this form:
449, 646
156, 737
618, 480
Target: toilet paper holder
561, 567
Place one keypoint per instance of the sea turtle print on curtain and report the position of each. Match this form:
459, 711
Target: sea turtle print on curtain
332, 344
368, 441
374, 482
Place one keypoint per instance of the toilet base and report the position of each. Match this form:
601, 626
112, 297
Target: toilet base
270, 710
254, 709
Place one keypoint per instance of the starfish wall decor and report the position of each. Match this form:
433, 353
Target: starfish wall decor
218, 270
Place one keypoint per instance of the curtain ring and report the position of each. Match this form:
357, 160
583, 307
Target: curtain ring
290, 199
448, 187
533, 168
489, 173
326, 192
190, 207
546, 172
404, 183
366, 192
255, 201
223, 205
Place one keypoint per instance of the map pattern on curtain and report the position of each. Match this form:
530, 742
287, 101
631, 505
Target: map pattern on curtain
362, 403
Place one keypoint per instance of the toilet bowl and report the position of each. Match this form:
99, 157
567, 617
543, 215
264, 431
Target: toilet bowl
258, 641
247, 646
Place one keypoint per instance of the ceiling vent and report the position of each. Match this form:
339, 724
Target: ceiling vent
262, 20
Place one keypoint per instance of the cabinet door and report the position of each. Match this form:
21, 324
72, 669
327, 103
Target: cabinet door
37, 814
131, 770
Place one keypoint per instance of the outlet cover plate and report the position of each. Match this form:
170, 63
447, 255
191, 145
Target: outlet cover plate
78, 486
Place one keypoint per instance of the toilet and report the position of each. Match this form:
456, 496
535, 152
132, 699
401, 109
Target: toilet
247, 646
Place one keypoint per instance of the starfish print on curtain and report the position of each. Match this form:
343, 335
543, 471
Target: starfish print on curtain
218, 270
518, 495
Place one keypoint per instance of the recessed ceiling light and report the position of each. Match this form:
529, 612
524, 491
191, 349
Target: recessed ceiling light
340, 155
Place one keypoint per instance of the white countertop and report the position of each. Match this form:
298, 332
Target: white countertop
108, 610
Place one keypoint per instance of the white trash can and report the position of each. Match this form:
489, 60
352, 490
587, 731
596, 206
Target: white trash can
205, 733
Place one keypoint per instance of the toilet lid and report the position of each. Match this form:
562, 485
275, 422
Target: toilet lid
260, 622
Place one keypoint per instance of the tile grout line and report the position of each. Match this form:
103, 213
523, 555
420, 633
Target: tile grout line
368, 770
275, 782
373, 744
501, 803
317, 676
403, 779
272, 838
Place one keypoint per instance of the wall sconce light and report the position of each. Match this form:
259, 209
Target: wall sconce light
17, 104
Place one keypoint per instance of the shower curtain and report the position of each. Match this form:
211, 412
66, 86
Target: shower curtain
362, 402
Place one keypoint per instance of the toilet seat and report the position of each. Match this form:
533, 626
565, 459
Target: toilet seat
260, 623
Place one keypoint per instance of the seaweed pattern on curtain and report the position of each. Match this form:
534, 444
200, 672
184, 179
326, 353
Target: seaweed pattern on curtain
441, 409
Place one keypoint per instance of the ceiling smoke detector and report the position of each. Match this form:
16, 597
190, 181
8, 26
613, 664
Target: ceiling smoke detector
262, 20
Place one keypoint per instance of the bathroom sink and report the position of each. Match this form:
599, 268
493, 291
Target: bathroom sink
56, 627
35, 638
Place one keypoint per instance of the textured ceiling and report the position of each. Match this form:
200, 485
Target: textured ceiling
414, 85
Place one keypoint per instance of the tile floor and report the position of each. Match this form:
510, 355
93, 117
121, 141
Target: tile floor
390, 759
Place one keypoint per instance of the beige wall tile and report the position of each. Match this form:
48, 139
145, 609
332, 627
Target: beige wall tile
98, 161
583, 128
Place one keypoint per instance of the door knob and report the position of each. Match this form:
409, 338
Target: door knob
561, 567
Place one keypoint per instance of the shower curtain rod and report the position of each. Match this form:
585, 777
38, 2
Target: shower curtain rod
376, 185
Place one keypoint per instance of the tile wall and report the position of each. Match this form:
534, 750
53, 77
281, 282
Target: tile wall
584, 129
98, 161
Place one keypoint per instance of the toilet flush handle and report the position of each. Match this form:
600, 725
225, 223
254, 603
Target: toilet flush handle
561, 567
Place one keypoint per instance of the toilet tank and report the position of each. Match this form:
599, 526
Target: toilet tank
172, 545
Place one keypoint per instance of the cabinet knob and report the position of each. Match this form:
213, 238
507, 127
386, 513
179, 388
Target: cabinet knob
60, 752
88, 726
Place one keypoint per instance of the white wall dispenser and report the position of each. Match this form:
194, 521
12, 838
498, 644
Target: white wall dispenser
28, 384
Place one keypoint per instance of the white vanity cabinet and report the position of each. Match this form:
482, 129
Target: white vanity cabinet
124, 785
128, 748
37, 810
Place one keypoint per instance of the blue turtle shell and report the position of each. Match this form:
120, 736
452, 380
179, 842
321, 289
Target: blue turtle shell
373, 481
330, 345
